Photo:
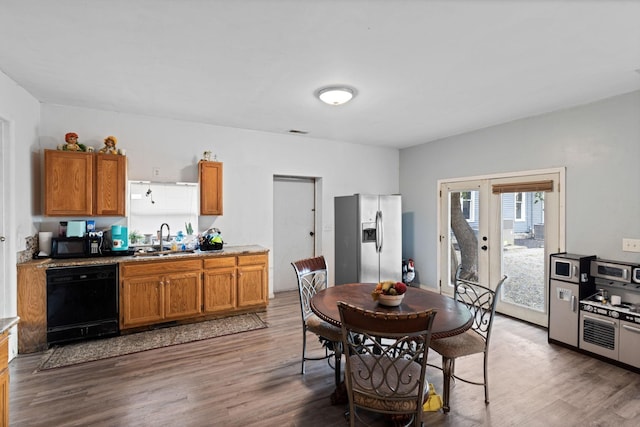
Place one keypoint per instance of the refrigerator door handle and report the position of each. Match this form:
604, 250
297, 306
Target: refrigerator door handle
574, 305
379, 231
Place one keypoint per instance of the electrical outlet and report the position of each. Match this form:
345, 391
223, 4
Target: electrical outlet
631, 245
156, 172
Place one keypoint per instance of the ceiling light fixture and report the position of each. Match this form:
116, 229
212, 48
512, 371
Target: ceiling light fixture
336, 95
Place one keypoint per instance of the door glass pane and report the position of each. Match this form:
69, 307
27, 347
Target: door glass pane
463, 233
523, 253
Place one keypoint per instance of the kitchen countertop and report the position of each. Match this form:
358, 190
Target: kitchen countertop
70, 262
7, 323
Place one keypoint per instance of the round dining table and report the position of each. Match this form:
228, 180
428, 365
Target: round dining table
452, 317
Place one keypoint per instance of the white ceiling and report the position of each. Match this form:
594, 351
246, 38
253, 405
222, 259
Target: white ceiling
423, 69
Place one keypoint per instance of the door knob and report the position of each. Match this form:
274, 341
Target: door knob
484, 247
311, 233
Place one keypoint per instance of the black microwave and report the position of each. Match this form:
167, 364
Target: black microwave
70, 247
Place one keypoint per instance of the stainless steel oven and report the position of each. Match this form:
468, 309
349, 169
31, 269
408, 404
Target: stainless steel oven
599, 334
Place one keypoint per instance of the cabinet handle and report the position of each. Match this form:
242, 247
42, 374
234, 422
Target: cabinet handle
631, 328
606, 322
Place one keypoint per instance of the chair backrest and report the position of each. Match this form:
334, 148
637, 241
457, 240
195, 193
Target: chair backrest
312, 277
481, 301
387, 356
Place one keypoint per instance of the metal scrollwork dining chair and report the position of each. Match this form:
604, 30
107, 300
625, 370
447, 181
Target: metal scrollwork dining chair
312, 277
386, 360
481, 301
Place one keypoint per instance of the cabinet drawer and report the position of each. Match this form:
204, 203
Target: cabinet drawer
217, 262
158, 267
252, 259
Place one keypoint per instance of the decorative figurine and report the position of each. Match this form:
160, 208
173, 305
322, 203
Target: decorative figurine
109, 145
72, 144
206, 156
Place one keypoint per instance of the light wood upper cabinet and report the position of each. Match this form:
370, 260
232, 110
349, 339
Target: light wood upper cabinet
84, 184
110, 185
210, 179
68, 182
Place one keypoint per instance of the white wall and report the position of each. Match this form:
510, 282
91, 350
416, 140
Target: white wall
598, 143
21, 113
250, 158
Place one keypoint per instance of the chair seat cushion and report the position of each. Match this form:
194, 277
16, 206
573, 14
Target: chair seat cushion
324, 329
459, 345
396, 393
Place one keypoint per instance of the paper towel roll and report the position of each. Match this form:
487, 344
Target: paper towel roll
44, 243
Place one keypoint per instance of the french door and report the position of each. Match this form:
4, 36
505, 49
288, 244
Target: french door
503, 225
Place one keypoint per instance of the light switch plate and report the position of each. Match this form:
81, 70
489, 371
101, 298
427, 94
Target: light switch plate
631, 245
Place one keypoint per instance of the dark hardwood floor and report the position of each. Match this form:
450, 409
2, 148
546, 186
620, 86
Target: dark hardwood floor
253, 378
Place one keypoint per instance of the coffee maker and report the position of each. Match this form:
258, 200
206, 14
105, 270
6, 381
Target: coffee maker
119, 238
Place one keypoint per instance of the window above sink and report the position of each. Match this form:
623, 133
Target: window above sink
153, 203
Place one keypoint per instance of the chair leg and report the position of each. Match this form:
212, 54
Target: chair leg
447, 373
304, 347
486, 379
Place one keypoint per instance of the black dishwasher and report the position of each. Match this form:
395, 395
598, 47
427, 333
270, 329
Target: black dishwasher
82, 303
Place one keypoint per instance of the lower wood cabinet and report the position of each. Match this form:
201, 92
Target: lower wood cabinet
220, 284
4, 379
235, 282
159, 291
188, 288
252, 280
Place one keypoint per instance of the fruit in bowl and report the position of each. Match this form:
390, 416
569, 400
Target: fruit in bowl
389, 288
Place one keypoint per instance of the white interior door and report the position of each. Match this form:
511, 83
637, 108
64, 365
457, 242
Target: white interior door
293, 228
5, 310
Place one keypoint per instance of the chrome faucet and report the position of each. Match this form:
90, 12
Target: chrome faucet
168, 234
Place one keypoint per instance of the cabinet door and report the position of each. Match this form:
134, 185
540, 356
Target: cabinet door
252, 280
4, 380
630, 343
142, 301
110, 189
183, 295
219, 289
210, 177
68, 182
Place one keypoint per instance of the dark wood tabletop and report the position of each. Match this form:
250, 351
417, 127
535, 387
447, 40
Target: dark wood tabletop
452, 317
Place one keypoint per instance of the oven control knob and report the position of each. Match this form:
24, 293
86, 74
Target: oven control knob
614, 314
588, 308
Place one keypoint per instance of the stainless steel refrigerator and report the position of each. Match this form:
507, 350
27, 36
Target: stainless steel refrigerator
368, 238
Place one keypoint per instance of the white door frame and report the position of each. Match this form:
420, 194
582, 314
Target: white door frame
315, 227
492, 210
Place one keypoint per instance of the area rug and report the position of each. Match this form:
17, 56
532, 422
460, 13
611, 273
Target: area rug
72, 354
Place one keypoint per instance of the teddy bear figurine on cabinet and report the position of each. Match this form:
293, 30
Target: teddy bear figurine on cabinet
109, 145
72, 143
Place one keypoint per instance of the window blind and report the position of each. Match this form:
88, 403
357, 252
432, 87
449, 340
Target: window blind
524, 187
